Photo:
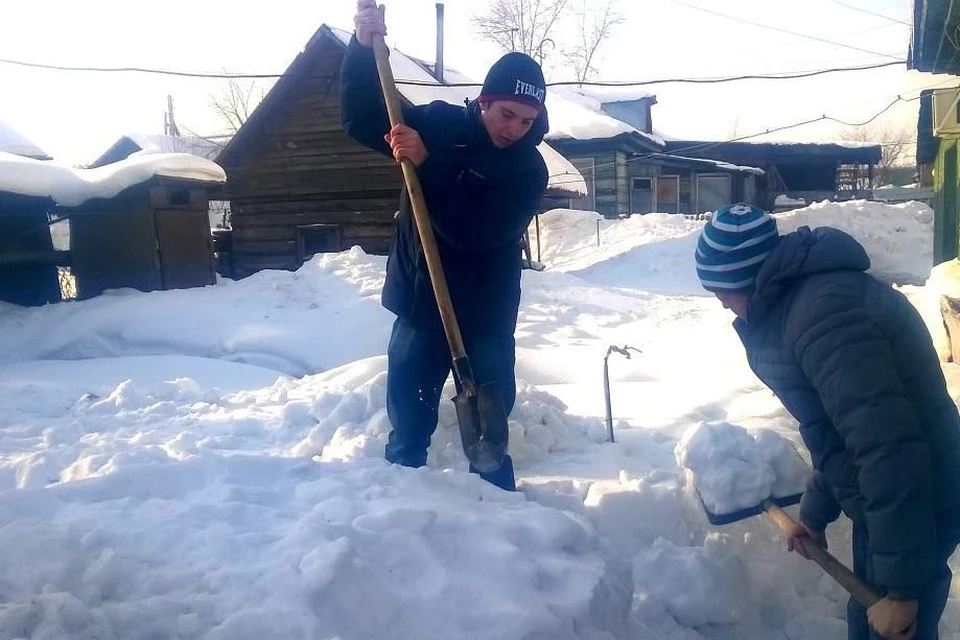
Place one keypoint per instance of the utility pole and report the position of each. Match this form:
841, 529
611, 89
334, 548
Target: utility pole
169, 123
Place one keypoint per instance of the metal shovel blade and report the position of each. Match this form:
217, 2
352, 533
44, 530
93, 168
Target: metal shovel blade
483, 426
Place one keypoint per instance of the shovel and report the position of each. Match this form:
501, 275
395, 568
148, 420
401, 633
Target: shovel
833, 567
480, 409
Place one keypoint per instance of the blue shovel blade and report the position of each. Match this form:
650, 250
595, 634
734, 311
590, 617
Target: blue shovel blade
749, 512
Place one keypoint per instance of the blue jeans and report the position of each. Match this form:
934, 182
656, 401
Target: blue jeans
932, 599
418, 363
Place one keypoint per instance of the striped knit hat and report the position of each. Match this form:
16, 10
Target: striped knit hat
732, 247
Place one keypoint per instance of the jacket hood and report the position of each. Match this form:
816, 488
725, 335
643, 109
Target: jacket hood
804, 252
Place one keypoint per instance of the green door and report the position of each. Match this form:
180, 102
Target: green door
950, 217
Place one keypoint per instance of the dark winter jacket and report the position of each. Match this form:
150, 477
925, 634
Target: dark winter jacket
853, 361
480, 199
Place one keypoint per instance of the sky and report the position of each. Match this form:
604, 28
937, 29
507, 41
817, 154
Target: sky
75, 115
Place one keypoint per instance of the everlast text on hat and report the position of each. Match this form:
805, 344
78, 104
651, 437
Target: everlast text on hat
527, 89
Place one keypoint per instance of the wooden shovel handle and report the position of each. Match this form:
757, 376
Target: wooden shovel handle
422, 218
844, 577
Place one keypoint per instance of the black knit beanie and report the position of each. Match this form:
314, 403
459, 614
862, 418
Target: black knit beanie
515, 77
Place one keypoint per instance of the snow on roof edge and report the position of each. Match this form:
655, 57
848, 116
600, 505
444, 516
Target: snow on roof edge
14, 142
72, 187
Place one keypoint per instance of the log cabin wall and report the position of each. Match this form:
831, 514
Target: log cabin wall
297, 184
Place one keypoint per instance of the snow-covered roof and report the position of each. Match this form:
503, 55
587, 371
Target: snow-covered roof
409, 69
783, 200
563, 175
11, 141
155, 143
605, 95
719, 164
72, 187
576, 115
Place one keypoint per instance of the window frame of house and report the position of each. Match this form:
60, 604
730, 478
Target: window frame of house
656, 192
653, 194
304, 239
714, 175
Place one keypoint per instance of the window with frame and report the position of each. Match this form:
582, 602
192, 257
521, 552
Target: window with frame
317, 238
641, 195
713, 191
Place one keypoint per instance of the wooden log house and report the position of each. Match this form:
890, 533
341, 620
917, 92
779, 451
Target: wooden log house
298, 185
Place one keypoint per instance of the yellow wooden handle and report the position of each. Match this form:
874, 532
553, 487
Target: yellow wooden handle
422, 218
844, 577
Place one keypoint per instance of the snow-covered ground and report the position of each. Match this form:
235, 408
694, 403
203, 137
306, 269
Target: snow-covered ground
208, 463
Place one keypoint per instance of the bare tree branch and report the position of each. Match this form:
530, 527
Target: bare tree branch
595, 22
897, 147
236, 102
521, 25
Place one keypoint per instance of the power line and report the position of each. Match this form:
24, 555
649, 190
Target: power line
616, 83
165, 72
781, 30
718, 80
709, 145
872, 13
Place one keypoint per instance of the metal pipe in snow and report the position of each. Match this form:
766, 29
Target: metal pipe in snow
438, 65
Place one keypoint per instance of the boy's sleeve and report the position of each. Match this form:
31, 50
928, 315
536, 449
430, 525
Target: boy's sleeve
818, 508
850, 363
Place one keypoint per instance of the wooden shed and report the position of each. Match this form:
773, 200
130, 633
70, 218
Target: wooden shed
151, 236
810, 171
28, 273
298, 185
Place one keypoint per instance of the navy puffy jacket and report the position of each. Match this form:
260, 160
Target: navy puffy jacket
480, 200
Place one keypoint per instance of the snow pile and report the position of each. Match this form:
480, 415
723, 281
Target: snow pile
324, 315
71, 187
653, 251
168, 496
250, 547
697, 585
735, 469
898, 238
11, 141
342, 415
183, 484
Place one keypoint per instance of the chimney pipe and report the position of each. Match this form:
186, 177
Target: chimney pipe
438, 65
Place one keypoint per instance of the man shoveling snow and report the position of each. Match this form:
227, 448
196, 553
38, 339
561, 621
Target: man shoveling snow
852, 360
482, 180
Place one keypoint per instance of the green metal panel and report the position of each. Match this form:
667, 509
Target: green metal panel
946, 218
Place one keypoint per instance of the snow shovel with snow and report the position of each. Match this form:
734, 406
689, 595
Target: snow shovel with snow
480, 408
833, 567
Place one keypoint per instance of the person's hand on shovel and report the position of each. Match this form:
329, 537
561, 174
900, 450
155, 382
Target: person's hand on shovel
406, 143
369, 21
801, 530
894, 619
